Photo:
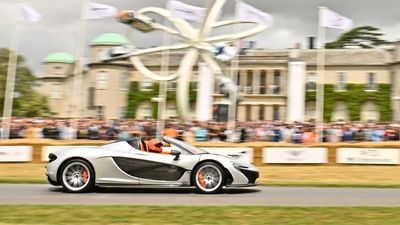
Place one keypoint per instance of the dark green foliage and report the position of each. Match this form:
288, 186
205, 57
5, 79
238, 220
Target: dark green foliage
364, 37
28, 102
137, 96
355, 95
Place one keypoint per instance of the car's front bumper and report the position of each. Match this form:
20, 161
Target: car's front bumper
251, 175
243, 185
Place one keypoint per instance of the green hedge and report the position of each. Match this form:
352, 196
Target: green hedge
355, 95
137, 96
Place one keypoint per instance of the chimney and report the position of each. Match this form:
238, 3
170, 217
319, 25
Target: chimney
311, 42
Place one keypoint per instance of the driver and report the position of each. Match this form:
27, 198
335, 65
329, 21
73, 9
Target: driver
153, 145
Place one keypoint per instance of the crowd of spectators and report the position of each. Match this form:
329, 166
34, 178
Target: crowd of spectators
272, 131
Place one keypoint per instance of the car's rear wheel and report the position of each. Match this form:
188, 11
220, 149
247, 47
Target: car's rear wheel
209, 178
77, 176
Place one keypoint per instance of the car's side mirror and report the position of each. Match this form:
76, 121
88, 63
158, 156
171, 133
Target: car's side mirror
176, 153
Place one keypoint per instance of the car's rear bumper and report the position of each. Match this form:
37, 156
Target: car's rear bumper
52, 182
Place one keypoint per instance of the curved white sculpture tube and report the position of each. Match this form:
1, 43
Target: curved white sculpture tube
195, 42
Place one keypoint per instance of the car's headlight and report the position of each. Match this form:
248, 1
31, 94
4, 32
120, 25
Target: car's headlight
239, 165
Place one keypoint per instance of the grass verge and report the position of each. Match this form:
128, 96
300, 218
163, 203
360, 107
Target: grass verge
36, 214
272, 175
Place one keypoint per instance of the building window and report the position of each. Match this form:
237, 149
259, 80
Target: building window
369, 112
261, 113
310, 110
263, 82
100, 54
122, 112
124, 81
101, 80
276, 87
57, 69
340, 81
56, 90
340, 112
171, 86
248, 112
311, 84
91, 94
147, 112
146, 85
171, 112
100, 112
249, 82
371, 82
275, 112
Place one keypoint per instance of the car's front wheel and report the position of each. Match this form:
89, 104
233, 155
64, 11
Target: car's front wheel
209, 178
77, 176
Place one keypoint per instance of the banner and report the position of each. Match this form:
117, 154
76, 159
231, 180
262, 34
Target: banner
98, 11
248, 12
29, 14
387, 156
295, 155
334, 20
185, 11
15, 153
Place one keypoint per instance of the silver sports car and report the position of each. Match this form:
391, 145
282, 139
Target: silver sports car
122, 164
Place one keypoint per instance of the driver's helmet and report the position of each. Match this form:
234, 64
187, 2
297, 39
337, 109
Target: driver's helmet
154, 145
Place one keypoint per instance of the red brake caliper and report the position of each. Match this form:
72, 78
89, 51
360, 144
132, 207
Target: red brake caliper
85, 175
201, 179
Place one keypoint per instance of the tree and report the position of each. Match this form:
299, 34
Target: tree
363, 37
27, 101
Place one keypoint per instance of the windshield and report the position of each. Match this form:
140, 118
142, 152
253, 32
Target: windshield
187, 147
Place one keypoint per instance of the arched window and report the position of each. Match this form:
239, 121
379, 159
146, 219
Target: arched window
124, 81
369, 112
310, 110
340, 112
145, 111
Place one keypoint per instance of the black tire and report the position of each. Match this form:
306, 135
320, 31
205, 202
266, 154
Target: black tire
208, 178
79, 172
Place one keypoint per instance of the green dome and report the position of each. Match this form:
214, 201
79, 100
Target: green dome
60, 57
110, 39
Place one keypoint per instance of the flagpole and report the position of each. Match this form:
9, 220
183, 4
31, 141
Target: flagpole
320, 78
78, 70
231, 125
162, 92
10, 83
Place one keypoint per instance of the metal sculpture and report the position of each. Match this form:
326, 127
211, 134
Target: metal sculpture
196, 42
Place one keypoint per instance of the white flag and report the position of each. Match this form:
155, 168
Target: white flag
29, 14
185, 11
97, 11
248, 12
332, 19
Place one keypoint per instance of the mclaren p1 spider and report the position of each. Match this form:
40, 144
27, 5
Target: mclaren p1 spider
124, 164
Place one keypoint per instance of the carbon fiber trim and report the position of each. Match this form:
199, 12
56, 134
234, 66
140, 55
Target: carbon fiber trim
149, 169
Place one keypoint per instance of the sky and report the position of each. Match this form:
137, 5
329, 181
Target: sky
295, 20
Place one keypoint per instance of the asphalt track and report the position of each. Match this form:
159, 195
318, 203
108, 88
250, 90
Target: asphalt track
271, 196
